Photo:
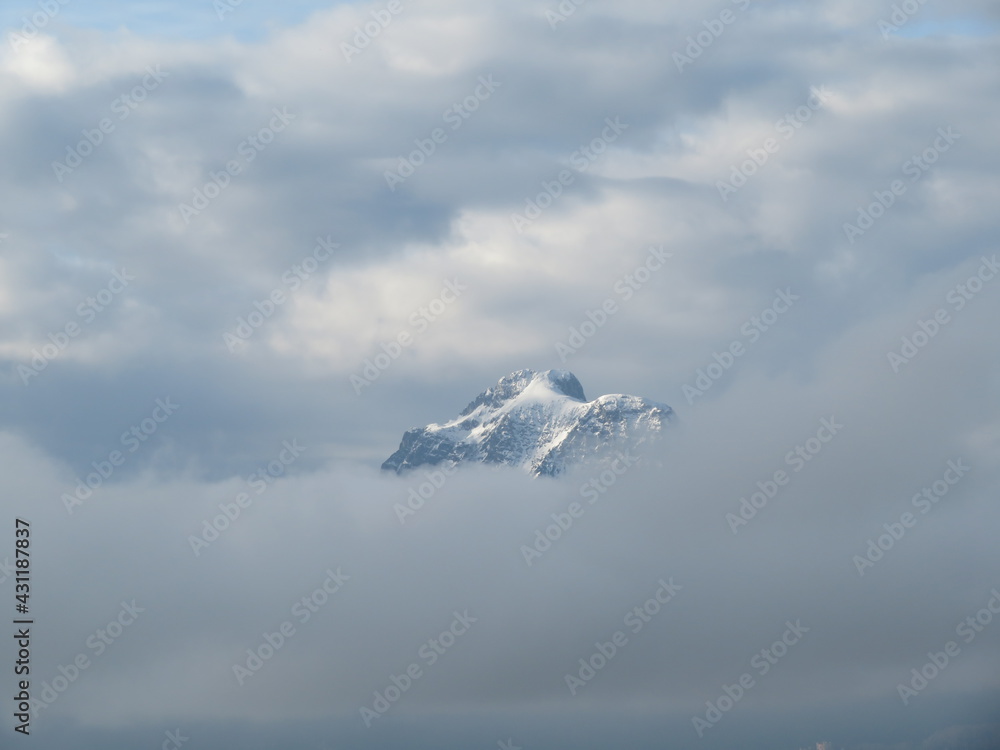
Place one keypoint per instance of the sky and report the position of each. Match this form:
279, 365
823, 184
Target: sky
244, 247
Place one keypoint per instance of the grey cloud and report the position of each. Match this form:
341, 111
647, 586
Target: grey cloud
656, 185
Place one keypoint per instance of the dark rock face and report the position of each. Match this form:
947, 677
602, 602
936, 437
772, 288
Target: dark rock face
541, 422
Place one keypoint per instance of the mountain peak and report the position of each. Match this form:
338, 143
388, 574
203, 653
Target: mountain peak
565, 382
561, 382
540, 421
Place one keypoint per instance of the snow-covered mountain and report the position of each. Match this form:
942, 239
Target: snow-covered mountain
540, 421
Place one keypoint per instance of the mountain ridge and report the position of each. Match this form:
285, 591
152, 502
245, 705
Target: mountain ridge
538, 421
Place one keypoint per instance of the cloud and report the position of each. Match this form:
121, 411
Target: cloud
278, 143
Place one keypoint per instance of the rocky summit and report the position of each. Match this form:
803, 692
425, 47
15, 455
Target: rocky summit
538, 421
